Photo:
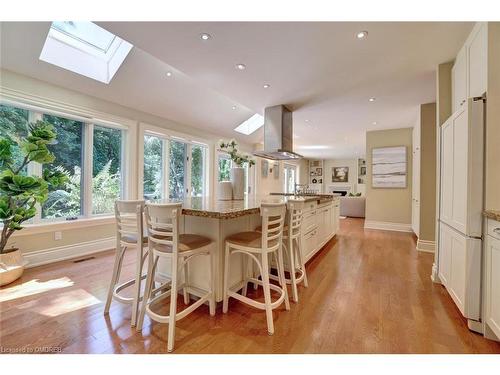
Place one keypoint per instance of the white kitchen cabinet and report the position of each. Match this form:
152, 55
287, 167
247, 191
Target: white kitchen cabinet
477, 53
310, 243
459, 80
460, 269
319, 225
492, 268
444, 256
462, 169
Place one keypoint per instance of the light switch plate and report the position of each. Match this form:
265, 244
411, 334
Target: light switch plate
57, 236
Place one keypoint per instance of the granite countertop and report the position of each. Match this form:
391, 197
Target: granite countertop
492, 214
211, 207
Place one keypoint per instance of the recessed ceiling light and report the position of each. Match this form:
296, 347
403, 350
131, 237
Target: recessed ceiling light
205, 36
307, 120
362, 34
266, 86
169, 74
233, 107
240, 66
371, 99
374, 123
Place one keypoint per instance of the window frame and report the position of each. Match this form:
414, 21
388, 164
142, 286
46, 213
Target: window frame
168, 135
37, 108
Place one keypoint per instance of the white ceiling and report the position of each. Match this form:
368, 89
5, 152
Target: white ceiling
319, 70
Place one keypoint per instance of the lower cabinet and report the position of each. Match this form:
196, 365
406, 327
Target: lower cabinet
492, 268
319, 224
460, 270
310, 242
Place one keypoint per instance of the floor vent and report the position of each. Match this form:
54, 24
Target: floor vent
83, 260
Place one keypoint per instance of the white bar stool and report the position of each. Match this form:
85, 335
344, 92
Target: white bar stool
162, 222
292, 242
129, 233
259, 245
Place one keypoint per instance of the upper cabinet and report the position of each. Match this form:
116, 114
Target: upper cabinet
459, 80
478, 60
469, 72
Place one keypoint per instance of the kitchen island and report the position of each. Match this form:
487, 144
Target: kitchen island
218, 219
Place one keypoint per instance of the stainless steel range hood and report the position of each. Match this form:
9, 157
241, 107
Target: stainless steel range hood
278, 134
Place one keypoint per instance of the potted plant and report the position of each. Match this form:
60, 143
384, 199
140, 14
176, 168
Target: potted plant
19, 193
237, 170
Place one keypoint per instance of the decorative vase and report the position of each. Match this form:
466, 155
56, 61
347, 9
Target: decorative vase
238, 181
225, 191
11, 266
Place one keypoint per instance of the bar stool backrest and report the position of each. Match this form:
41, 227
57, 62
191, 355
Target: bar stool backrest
273, 219
128, 214
294, 216
162, 221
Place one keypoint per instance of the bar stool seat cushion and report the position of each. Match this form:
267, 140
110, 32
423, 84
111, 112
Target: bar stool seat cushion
248, 239
187, 242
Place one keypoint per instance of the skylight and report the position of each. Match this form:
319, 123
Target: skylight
252, 124
85, 48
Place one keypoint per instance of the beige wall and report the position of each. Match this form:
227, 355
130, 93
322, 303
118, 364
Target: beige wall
443, 92
27, 85
388, 205
492, 199
427, 172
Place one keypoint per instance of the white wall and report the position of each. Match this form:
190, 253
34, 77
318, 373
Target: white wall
328, 164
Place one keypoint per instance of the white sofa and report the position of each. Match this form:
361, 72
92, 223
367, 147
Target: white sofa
352, 206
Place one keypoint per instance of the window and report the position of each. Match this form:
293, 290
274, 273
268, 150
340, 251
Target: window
224, 164
247, 127
106, 171
198, 162
95, 173
85, 48
13, 123
68, 152
177, 177
173, 167
290, 172
153, 168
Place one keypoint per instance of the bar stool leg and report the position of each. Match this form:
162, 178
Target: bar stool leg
186, 278
173, 305
281, 274
225, 302
267, 293
244, 264
301, 259
115, 277
137, 284
293, 278
211, 302
148, 289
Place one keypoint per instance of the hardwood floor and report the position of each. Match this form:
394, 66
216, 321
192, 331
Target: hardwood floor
369, 292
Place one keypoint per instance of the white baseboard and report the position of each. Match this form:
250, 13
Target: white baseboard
384, 225
56, 254
426, 246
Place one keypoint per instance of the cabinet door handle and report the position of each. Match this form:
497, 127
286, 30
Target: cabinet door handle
496, 230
